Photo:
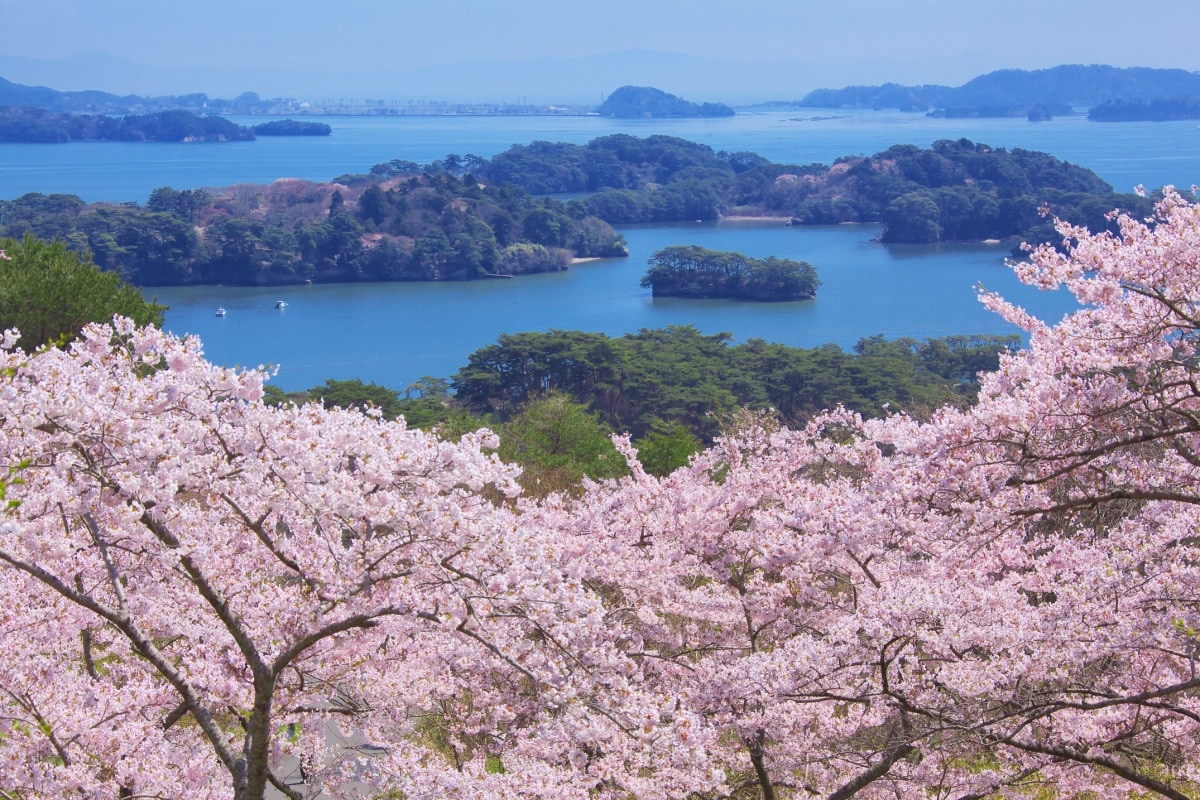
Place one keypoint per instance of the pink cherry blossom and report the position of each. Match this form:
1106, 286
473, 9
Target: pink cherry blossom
209, 597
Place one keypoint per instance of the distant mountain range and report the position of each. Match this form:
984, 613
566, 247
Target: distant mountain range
1014, 92
96, 102
1117, 93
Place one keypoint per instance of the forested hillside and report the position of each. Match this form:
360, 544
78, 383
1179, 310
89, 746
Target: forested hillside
633, 102
954, 190
692, 271
1158, 109
415, 227
35, 125
1014, 92
645, 381
466, 217
20, 124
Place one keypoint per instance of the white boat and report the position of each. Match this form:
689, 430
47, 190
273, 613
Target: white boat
280, 304
221, 312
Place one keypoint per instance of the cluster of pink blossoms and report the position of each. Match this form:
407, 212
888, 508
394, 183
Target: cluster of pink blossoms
208, 597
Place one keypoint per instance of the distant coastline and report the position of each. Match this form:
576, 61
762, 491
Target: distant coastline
1035, 94
1142, 93
92, 102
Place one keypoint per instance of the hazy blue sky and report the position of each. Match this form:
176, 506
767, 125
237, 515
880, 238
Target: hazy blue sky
935, 41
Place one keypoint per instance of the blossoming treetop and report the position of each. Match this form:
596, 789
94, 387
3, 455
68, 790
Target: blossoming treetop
207, 596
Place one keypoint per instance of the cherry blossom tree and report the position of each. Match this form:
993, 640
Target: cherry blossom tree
208, 597
1001, 599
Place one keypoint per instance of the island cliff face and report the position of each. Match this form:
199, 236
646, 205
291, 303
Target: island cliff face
646, 101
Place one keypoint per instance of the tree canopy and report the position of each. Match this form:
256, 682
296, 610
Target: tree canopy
692, 271
466, 217
643, 382
956, 190
422, 227
50, 293
1014, 92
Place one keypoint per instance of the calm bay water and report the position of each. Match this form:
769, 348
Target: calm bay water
1124, 154
393, 334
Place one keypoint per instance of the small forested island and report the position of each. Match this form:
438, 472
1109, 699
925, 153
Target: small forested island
645, 101
24, 124
1161, 109
692, 271
1014, 92
671, 388
34, 125
291, 127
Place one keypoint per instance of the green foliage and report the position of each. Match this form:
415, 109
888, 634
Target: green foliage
618, 161
663, 452
523, 258
429, 227
12, 477
465, 217
691, 271
434, 414
559, 395
956, 190
23, 124
184, 204
275, 396
677, 374
430, 410
291, 127
356, 394
49, 292
558, 442
643, 382
913, 217
1158, 109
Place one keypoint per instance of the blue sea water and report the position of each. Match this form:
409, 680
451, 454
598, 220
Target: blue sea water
1125, 154
393, 334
